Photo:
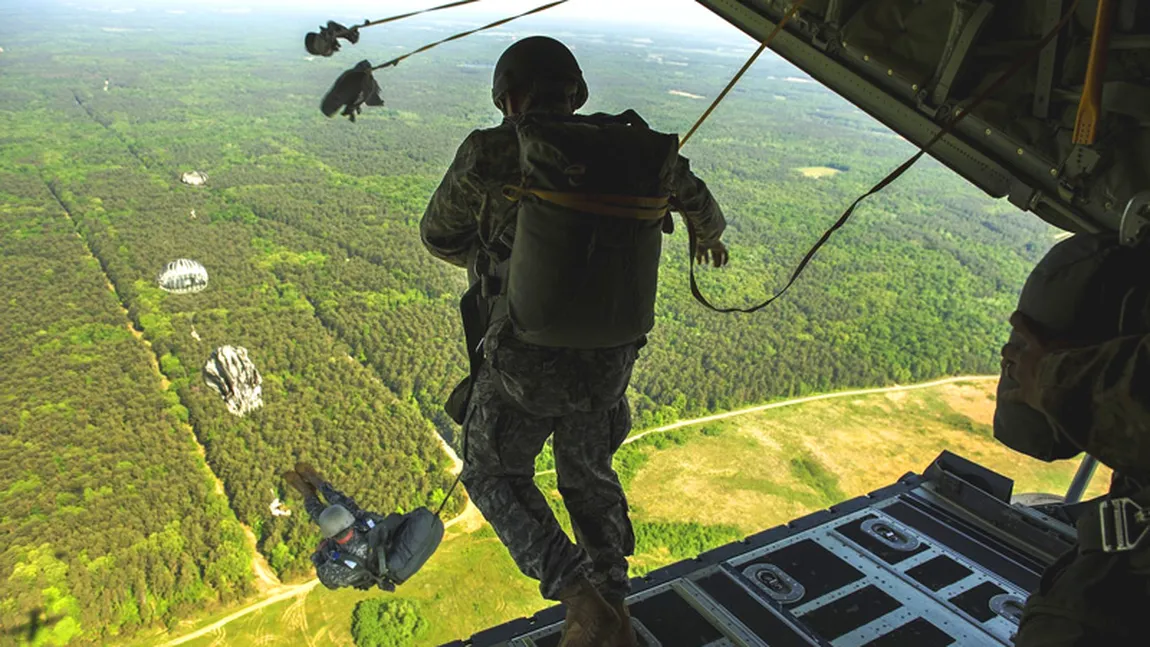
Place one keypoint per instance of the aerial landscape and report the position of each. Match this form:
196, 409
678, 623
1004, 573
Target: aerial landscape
173, 203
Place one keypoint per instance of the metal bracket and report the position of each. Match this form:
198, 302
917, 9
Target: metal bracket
1135, 220
968, 28
1125, 525
891, 534
775, 582
1046, 61
1008, 606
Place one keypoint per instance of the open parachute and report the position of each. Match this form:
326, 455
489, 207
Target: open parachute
232, 374
183, 276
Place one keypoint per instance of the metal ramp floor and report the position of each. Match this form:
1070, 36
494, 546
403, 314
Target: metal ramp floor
933, 560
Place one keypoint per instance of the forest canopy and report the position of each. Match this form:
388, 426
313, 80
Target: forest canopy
308, 229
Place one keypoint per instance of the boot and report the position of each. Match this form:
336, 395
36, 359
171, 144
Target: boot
309, 474
625, 635
296, 481
590, 622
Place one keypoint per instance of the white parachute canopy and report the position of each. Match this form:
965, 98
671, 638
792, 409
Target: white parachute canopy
231, 374
279, 509
183, 276
194, 178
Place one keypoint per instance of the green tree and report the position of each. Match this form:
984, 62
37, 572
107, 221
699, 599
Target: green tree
387, 622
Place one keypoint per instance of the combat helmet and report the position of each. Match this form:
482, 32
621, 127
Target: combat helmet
536, 63
1087, 289
334, 520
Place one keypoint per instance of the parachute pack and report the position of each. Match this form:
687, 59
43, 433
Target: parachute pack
402, 545
585, 265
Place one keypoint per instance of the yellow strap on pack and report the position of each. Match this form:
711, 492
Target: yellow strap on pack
619, 206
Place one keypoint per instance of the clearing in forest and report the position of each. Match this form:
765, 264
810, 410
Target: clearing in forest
818, 172
737, 476
767, 468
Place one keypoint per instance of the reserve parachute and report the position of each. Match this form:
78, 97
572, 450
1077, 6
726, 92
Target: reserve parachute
234, 377
183, 276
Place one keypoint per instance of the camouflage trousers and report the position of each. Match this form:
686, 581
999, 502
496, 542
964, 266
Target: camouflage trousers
315, 506
522, 396
1089, 599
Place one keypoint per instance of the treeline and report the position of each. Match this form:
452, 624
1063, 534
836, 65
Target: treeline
918, 285
320, 404
111, 522
308, 228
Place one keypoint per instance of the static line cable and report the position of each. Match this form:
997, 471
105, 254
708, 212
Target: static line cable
746, 66
947, 127
497, 23
325, 42
447, 497
372, 23
357, 86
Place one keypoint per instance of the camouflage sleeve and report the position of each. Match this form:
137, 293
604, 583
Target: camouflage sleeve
335, 575
694, 200
1100, 396
450, 225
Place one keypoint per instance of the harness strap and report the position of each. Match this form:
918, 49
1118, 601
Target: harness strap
619, 206
355, 564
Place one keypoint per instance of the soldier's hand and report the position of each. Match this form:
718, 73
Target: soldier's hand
716, 253
1020, 362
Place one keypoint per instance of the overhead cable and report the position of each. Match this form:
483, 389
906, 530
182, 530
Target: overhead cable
948, 127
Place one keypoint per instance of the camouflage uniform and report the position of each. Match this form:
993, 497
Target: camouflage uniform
330, 557
1099, 397
524, 394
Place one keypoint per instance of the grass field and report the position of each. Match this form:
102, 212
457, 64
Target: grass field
818, 172
765, 469
690, 489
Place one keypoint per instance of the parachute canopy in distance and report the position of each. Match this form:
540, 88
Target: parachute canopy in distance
279, 509
231, 374
194, 178
183, 276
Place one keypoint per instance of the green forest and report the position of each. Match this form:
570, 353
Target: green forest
113, 521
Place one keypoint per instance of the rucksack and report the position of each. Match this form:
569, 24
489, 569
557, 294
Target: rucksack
595, 192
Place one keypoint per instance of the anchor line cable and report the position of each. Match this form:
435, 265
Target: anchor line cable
381, 21
739, 75
395, 61
948, 127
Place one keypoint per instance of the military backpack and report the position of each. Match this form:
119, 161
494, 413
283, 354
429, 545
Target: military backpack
584, 266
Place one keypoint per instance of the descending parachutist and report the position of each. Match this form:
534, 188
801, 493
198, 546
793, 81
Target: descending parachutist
232, 375
278, 508
183, 276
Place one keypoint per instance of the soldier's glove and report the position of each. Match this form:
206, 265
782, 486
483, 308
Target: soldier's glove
717, 252
353, 89
324, 43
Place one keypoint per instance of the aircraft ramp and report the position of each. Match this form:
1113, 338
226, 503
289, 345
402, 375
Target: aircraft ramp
936, 559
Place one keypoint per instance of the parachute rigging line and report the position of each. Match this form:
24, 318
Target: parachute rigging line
947, 127
497, 23
738, 75
326, 41
372, 23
